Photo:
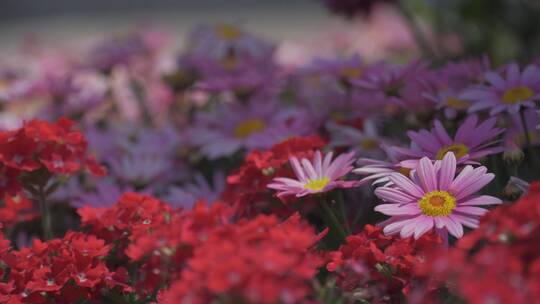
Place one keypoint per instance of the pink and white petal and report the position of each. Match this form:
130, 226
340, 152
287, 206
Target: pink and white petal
471, 210
406, 185
318, 163
465, 220
297, 168
475, 186
427, 175
453, 227
394, 195
423, 226
395, 209
308, 168
482, 200
447, 171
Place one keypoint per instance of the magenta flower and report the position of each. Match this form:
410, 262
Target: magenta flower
320, 175
507, 92
434, 197
471, 142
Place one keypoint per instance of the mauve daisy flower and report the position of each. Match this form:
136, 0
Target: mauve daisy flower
434, 197
507, 92
320, 175
378, 170
516, 132
257, 124
472, 141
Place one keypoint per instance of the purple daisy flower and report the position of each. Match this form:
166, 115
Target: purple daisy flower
226, 47
471, 142
366, 142
379, 170
317, 176
255, 125
187, 195
506, 91
434, 197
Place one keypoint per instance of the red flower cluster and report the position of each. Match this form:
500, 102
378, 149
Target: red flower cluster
246, 187
379, 267
58, 271
252, 261
148, 232
54, 147
16, 209
497, 263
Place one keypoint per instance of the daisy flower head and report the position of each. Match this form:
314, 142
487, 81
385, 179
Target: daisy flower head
366, 142
316, 176
434, 197
472, 141
509, 90
254, 125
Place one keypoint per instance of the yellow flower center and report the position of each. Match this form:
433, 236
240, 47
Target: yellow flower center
350, 72
404, 171
249, 127
457, 103
228, 32
437, 203
517, 94
317, 184
459, 151
369, 144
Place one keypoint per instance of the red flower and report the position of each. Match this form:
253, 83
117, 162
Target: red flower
246, 187
55, 147
16, 209
49, 271
252, 261
380, 265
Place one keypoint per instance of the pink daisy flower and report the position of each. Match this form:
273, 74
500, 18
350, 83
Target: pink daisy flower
507, 92
320, 175
472, 141
434, 197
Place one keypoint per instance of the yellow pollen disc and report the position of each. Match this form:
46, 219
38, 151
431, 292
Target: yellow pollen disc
517, 94
228, 32
458, 104
369, 144
437, 203
249, 127
404, 171
350, 72
459, 151
317, 184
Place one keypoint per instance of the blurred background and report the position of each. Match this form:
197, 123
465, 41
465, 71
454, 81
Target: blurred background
502, 29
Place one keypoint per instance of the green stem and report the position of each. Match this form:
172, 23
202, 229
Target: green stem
416, 31
46, 222
525, 127
341, 206
331, 220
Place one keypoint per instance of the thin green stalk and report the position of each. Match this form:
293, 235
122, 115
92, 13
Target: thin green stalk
46, 222
341, 206
416, 31
525, 128
332, 221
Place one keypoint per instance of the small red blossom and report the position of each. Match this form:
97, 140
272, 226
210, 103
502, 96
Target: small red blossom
499, 262
380, 265
247, 186
48, 271
16, 209
252, 261
55, 147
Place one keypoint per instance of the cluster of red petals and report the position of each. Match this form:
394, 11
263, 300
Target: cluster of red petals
56, 147
497, 263
16, 209
148, 232
252, 261
246, 187
378, 266
58, 271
